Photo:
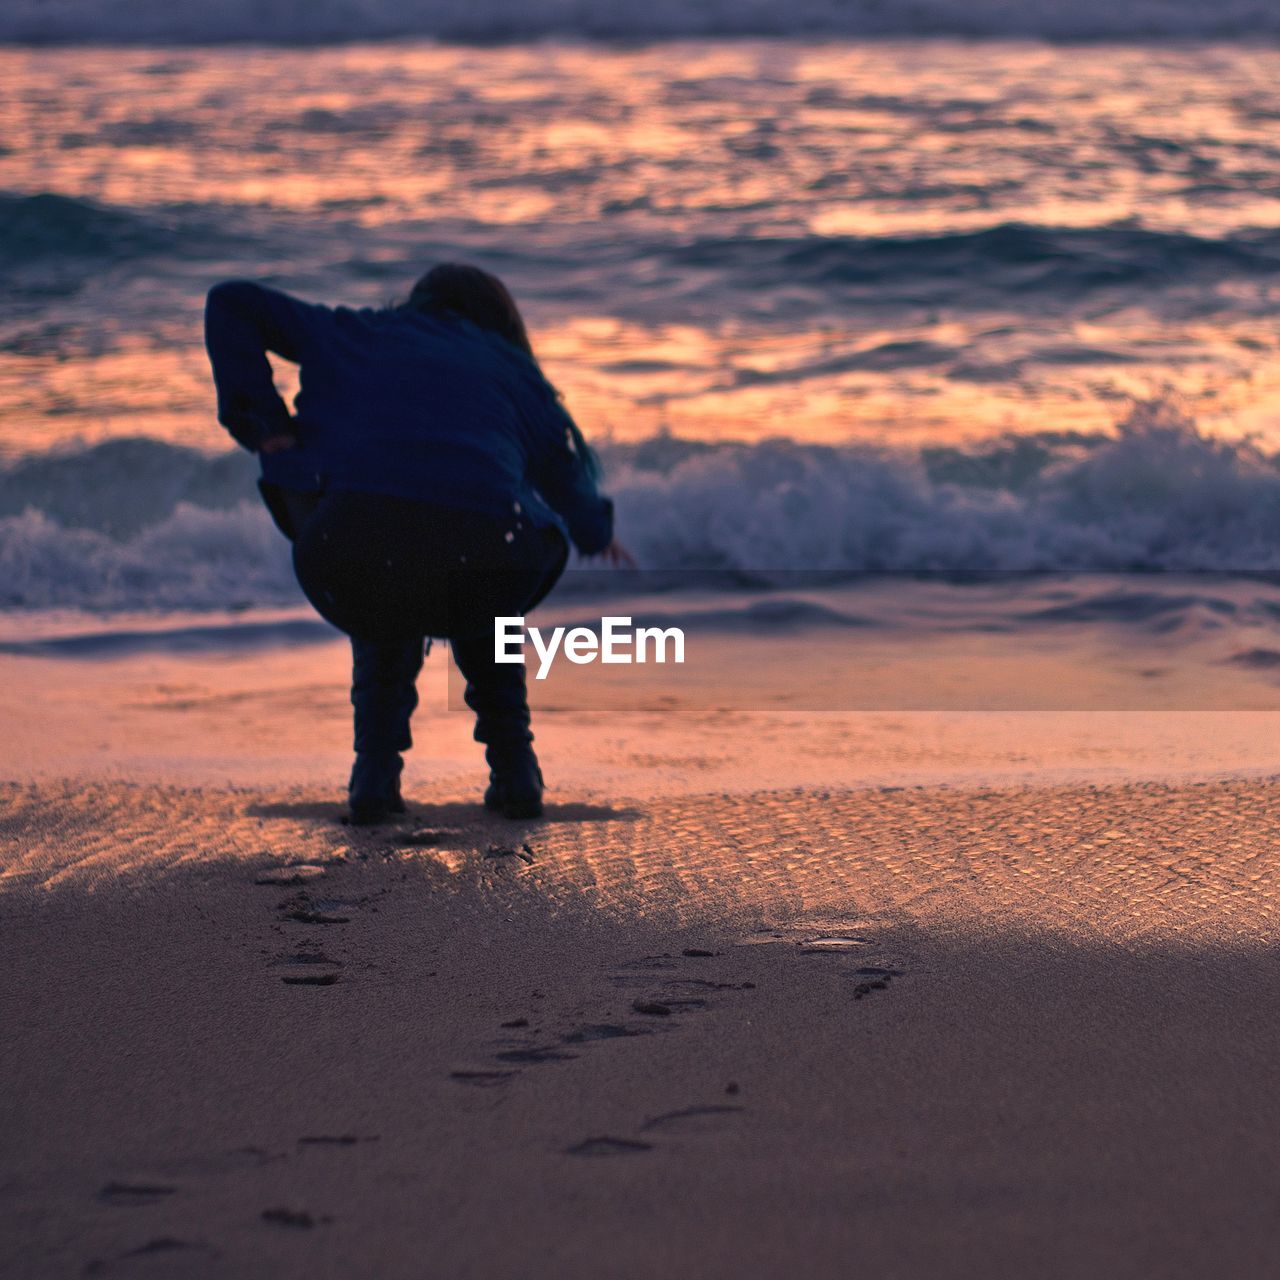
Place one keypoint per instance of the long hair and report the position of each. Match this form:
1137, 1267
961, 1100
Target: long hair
474, 294
461, 289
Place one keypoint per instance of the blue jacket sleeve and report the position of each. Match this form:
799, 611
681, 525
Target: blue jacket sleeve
565, 480
242, 322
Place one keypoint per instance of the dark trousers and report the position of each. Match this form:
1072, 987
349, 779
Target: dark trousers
392, 574
384, 692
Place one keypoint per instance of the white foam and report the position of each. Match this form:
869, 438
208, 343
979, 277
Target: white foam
192, 559
1160, 495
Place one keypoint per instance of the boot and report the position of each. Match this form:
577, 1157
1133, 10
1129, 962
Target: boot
374, 790
384, 695
496, 692
515, 781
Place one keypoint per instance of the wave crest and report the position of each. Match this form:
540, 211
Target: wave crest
1159, 495
53, 226
187, 533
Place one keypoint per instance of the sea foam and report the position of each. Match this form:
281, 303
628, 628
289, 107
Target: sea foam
133, 525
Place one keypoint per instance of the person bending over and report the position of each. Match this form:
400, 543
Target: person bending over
430, 480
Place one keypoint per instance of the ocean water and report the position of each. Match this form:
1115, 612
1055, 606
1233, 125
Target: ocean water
827, 304
309, 21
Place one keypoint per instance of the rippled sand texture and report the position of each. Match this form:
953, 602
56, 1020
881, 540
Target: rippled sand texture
1146, 860
946, 1033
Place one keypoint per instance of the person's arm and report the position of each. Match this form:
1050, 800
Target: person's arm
242, 322
565, 480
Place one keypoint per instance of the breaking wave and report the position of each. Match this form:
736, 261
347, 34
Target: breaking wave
136, 524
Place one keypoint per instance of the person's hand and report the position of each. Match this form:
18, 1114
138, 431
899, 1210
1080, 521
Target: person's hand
617, 556
277, 444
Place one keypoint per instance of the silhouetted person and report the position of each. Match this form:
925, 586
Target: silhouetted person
430, 480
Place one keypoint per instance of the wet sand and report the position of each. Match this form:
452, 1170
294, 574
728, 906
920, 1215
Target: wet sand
771, 992
917, 1031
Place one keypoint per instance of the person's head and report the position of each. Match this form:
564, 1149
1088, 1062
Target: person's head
474, 294
460, 289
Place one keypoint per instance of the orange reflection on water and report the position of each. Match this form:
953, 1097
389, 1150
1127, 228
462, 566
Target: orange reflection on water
328, 169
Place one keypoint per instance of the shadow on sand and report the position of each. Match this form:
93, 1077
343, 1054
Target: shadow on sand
452, 813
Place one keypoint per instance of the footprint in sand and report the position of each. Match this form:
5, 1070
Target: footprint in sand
534, 1054
671, 995
761, 938
868, 978
831, 938
219, 1163
524, 853
299, 873
652, 1008
428, 838
299, 1219
302, 915
812, 937
132, 1194
310, 968
831, 945
688, 1120
161, 1246
701, 1119
483, 1079
608, 1146
873, 978
603, 1031
305, 957
301, 908
148, 1189
663, 999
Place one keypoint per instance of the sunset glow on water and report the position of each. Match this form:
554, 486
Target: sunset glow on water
913, 241
838, 305
822, 809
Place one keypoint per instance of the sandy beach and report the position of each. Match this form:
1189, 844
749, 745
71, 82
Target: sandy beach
704, 1019
922, 925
